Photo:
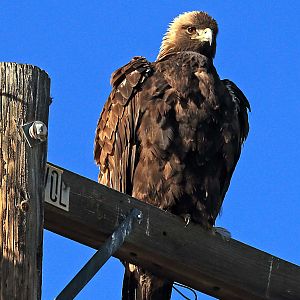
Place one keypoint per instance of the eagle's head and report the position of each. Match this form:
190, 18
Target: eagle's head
191, 31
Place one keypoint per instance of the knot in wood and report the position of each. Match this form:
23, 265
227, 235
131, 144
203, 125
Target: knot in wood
24, 205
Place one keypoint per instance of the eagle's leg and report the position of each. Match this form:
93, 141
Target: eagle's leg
223, 232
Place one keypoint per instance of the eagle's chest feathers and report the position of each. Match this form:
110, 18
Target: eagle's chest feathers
185, 109
186, 104
193, 76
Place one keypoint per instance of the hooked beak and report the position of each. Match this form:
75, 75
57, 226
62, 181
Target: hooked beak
204, 35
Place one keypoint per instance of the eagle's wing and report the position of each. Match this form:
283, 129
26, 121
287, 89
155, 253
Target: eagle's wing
231, 149
115, 142
242, 105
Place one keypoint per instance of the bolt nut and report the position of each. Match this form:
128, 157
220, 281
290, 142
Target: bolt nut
38, 131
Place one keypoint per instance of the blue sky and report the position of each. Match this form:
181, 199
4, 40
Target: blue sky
80, 43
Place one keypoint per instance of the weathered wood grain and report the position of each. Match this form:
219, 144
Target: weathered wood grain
162, 244
24, 97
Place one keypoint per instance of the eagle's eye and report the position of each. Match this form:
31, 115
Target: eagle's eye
191, 29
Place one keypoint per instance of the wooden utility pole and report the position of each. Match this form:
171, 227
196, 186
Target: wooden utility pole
24, 98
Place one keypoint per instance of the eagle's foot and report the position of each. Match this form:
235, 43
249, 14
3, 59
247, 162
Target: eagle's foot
187, 219
223, 232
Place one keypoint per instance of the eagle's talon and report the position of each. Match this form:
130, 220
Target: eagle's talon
187, 219
223, 232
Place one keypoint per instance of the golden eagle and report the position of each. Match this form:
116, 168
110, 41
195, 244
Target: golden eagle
170, 134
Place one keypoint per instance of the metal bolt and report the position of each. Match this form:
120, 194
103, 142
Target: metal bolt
140, 216
38, 131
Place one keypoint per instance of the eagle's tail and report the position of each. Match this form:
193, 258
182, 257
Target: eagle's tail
139, 284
